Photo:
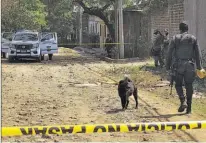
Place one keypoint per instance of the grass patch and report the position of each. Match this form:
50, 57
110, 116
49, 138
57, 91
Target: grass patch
68, 52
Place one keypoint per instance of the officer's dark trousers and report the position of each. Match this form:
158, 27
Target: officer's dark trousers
186, 72
158, 58
109, 52
164, 53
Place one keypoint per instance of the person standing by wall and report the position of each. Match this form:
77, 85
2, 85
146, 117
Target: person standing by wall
165, 45
157, 48
109, 46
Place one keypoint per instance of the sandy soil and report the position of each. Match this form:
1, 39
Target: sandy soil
50, 93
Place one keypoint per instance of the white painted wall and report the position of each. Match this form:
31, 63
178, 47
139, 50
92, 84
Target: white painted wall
195, 14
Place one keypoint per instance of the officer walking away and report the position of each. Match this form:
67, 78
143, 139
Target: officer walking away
165, 45
109, 45
157, 48
183, 54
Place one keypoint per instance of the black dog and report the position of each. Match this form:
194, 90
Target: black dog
127, 88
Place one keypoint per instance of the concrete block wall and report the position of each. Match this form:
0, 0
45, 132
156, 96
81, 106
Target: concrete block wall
195, 14
176, 15
193, 11
168, 18
159, 20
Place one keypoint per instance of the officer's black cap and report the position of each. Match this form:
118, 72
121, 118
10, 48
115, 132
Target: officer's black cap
183, 26
184, 22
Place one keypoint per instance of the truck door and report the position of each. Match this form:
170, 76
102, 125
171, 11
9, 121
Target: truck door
48, 44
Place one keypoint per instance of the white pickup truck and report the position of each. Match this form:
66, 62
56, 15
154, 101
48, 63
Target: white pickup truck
29, 44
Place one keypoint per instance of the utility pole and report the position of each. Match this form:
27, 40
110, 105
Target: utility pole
121, 36
80, 25
116, 26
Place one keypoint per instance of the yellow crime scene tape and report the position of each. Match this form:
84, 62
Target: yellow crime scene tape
95, 44
102, 128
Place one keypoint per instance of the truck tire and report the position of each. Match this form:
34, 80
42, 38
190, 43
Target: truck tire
39, 59
4, 55
42, 57
50, 56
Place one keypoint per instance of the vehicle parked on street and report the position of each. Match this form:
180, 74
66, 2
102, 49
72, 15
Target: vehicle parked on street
6, 38
33, 45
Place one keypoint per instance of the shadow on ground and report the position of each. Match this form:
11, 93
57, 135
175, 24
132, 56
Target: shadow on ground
65, 60
57, 60
163, 116
114, 111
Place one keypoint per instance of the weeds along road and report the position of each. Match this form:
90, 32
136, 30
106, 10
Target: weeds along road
73, 89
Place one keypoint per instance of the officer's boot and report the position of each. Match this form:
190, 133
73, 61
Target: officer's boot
189, 93
156, 61
183, 105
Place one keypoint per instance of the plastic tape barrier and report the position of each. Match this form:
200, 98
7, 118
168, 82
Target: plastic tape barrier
95, 44
73, 129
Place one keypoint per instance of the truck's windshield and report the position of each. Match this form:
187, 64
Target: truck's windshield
26, 37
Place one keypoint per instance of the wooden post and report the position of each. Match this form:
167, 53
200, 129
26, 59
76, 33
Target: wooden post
121, 36
80, 25
116, 28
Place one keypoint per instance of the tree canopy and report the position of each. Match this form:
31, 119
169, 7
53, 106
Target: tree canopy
59, 15
100, 8
52, 15
18, 14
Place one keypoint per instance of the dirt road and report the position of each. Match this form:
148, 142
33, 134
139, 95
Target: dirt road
76, 90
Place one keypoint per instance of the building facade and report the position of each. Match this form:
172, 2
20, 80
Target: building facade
93, 28
168, 18
192, 11
138, 25
195, 14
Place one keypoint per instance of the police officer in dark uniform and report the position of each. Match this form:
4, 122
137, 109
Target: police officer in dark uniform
183, 54
157, 48
165, 45
109, 46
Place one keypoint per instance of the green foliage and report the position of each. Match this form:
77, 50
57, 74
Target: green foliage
27, 14
96, 3
128, 3
35, 8
55, 15
60, 17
